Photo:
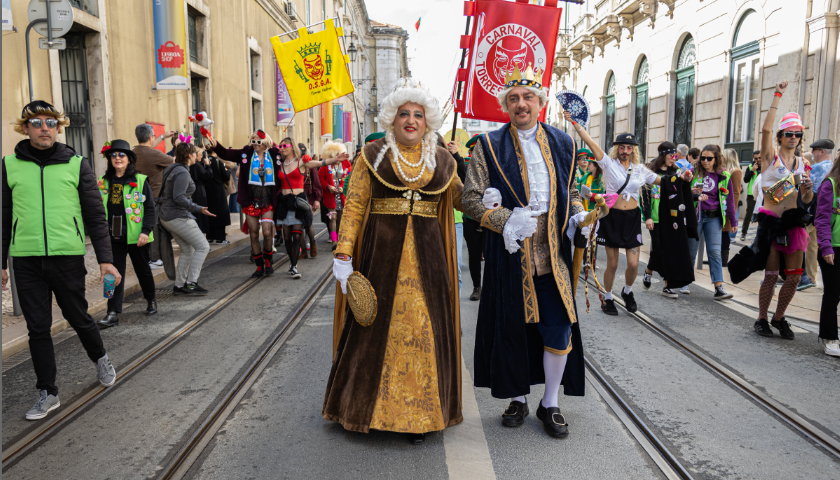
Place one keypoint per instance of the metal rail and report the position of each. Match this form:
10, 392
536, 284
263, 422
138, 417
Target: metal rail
23, 446
195, 444
799, 424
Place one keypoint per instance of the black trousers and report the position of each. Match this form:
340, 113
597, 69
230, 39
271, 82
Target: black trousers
39, 278
140, 261
748, 215
474, 236
831, 296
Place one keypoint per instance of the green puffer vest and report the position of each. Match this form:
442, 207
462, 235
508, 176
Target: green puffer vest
133, 199
47, 213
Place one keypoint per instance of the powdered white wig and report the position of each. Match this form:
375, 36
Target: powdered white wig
332, 149
410, 91
502, 96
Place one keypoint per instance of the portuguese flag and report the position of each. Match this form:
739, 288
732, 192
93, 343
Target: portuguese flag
417, 25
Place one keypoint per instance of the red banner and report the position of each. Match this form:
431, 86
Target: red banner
505, 35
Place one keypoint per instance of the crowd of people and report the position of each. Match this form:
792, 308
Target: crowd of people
397, 214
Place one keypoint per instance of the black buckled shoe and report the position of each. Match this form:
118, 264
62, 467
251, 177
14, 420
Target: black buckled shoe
783, 327
762, 328
609, 307
151, 307
629, 301
110, 320
553, 421
515, 414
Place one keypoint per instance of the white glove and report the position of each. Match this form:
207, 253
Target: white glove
492, 198
520, 225
341, 271
574, 221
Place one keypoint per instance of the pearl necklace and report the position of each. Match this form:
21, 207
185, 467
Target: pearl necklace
406, 177
405, 160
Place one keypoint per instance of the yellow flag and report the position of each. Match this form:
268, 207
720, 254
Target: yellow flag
313, 66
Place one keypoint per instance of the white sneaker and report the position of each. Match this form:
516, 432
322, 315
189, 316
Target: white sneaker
156, 264
669, 292
831, 347
45, 404
684, 290
105, 371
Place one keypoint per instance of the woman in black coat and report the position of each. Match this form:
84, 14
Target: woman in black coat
217, 201
201, 174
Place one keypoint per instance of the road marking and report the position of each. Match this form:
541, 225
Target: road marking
465, 446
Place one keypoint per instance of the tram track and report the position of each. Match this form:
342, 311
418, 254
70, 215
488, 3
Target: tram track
194, 445
824, 441
44, 430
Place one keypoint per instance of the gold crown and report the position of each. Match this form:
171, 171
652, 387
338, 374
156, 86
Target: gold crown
529, 78
311, 49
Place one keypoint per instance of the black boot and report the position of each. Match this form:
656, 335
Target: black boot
151, 307
110, 320
258, 261
268, 258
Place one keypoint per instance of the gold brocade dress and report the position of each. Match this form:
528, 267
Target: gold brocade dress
408, 399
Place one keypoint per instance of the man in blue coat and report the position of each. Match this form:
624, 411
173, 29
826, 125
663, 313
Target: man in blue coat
520, 186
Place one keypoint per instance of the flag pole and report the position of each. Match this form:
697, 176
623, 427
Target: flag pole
458, 90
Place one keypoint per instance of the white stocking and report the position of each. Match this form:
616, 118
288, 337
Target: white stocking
554, 366
519, 399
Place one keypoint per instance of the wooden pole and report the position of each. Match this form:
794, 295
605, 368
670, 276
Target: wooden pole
458, 89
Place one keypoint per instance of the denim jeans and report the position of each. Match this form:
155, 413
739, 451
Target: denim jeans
710, 228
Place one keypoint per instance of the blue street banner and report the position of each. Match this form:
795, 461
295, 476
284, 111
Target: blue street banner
170, 45
285, 109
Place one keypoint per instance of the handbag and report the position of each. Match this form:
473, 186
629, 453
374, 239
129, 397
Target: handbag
362, 299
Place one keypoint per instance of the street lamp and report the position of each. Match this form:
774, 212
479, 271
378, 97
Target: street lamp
352, 50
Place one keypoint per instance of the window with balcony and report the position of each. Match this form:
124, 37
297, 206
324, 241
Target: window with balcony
684, 100
640, 114
745, 72
609, 113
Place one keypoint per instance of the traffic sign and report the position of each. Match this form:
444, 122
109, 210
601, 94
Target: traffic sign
61, 16
57, 44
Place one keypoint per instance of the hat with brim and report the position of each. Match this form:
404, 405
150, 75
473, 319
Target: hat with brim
374, 137
823, 144
585, 151
791, 121
471, 142
625, 139
121, 146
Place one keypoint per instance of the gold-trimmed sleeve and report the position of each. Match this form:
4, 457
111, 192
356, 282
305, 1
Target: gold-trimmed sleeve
477, 181
358, 197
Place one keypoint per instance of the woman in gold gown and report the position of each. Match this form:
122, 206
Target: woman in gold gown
403, 372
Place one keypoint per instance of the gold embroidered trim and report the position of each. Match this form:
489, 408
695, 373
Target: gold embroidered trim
501, 172
403, 206
529, 293
404, 188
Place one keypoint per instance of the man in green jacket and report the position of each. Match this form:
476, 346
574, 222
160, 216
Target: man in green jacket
50, 201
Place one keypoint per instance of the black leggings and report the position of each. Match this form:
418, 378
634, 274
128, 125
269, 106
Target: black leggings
830, 298
474, 236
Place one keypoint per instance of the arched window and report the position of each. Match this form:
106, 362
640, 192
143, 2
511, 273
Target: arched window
684, 102
745, 73
609, 113
641, 110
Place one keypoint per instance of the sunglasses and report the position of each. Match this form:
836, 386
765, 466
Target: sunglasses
668, 152
117, 154
793, 134
285, 145
37, 122
256, 141
707, 159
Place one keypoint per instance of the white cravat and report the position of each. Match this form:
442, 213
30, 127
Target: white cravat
538, 180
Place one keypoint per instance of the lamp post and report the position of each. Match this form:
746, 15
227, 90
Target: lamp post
352, 51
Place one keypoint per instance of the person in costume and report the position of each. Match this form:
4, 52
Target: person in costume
582, 156
592, 181
402, 373
731, 164
520, 185
827, 224
781, 239
670, 218
258, 187
332, 185
622, 228
130, 210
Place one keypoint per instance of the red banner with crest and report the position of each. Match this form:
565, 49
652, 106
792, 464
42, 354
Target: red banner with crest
505, 35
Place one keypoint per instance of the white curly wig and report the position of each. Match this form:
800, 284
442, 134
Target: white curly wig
409, 90
333, 149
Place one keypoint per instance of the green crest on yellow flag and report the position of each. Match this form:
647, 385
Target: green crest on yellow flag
313, 66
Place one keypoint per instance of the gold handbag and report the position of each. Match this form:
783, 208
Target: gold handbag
362, 299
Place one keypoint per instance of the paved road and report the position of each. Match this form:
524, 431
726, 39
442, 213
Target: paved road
277, 431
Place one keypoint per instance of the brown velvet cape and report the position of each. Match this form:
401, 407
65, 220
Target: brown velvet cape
358, 352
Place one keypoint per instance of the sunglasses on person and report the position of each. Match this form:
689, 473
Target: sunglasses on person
117, 154
37, 122
793, 134
285, 145
707, 159
668, 152
255, 141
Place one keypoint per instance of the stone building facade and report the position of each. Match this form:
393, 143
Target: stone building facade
105, 78
700, 71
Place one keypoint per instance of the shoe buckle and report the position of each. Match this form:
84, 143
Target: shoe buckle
558, 422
